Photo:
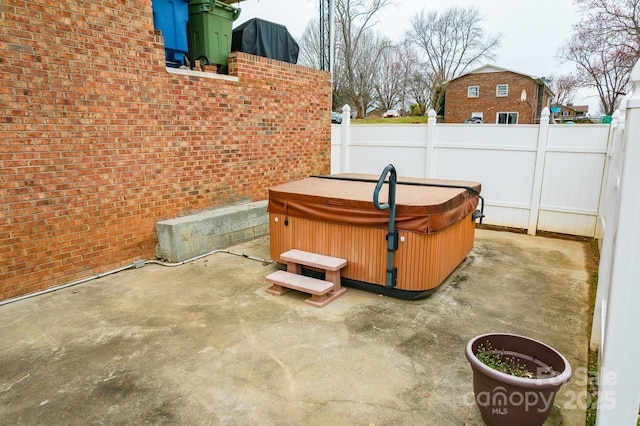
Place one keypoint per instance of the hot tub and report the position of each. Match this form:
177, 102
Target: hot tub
335, 215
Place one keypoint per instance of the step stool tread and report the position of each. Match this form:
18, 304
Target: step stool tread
300, 282
321, 261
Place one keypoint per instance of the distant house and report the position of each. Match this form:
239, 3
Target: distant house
496, 95
572, 112
581, 110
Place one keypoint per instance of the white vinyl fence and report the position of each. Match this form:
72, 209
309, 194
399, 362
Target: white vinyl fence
535, 177
573, 179
616, 319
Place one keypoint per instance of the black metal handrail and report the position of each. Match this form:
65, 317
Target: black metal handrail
392, 235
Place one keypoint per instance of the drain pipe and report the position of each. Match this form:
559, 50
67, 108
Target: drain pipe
171, 264
135, 265
60, 287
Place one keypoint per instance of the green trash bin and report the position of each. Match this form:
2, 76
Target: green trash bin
209, 31
605, 119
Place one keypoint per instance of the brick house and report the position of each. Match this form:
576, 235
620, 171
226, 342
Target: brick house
101, 140
496, 95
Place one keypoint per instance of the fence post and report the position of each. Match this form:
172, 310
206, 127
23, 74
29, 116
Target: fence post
344, 138
614, 137
431, 139
538, 173
618, 383
608, 211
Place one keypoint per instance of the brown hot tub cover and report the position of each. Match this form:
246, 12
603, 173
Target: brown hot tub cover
424, 209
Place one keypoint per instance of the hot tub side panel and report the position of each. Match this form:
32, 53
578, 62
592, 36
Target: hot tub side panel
423, 260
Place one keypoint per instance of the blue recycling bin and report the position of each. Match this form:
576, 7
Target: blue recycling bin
170, 17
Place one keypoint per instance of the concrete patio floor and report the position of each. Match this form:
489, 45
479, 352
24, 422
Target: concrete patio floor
203, 343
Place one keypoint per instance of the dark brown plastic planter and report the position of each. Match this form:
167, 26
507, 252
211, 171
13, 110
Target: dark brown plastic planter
506, 400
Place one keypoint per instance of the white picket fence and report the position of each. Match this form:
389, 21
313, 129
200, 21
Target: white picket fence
534, 177
574, 179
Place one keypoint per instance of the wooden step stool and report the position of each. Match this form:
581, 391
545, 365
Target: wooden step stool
322, 291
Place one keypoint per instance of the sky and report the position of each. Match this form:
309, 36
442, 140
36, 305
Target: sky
532, 31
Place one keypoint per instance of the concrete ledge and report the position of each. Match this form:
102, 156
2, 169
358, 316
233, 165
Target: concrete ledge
185, 237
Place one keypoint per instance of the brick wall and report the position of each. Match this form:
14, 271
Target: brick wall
99, 141
458, 107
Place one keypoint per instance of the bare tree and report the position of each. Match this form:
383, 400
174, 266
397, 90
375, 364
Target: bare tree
311, 46
616, 19
389, 86
368, 69
564, 88
418, 92
313, 54
450, 43
600, 65
604, 46
356, 86
356, 49
407, 62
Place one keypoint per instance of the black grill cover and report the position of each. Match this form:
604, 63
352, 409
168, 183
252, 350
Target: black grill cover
263, 38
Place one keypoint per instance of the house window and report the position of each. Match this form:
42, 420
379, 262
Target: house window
507, 118
565, 113
502, 90
473, 91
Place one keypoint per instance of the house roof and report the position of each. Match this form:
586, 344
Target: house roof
581, 108
494, 68
488, 68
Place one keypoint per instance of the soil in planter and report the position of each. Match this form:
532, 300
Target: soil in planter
513, 363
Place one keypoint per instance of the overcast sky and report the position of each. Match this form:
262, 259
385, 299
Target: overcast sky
532, 31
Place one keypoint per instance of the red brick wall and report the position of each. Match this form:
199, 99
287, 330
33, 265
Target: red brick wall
458, 107
99, 141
